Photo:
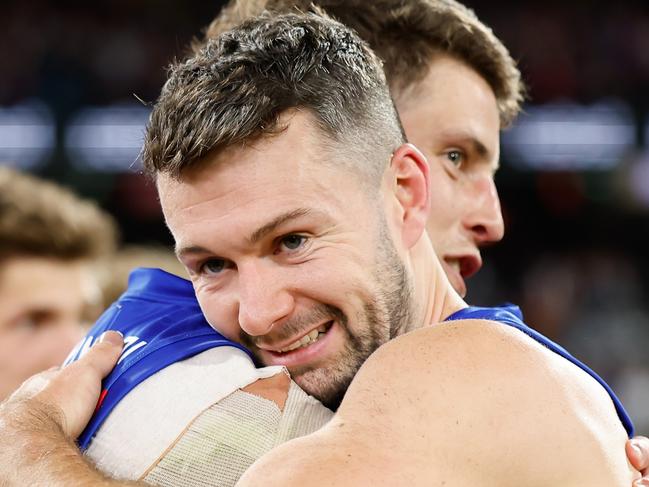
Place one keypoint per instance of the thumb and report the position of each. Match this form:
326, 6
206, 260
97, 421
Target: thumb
103, 356
76, 390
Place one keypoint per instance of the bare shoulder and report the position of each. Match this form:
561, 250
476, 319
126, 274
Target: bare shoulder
486, 359
490, 393
464, 402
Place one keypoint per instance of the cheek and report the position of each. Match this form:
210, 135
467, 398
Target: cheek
65, 338
11, 349
445, 206
40, 351
443, 188
346, 282
221, 316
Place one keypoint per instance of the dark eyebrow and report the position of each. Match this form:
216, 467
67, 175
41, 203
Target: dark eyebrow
479, 147
469, 138
255, 237
192, 249
279, 220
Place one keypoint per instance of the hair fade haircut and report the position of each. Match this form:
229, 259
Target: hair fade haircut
407, 35
235, 88
42, 219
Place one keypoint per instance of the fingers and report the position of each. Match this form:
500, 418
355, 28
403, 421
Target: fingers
102, 357
637, 450
49, 407
75, 390
34, 385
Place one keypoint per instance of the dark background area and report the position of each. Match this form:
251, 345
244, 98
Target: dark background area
574, 181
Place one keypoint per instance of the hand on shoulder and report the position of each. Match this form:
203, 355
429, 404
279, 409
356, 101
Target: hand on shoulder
50, 410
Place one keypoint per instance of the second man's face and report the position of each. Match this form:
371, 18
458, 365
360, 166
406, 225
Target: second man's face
452, 117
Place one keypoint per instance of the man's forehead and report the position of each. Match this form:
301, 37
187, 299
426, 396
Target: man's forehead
297, 137
250, 210
44, 280
450, 88
452, 104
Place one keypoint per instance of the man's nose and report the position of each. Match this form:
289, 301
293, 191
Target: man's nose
263, 298
485, 220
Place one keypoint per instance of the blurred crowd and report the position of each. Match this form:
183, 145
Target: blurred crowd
574, 256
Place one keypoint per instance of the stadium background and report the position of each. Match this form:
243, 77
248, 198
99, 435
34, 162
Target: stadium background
574, 181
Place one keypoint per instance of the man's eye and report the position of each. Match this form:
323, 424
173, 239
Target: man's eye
27, 324
455, 156
35, 320
213, 266
292, 242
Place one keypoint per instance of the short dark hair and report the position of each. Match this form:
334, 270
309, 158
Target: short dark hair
407, 35
41, 219
237, 86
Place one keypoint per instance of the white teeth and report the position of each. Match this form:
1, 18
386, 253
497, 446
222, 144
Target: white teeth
307, 339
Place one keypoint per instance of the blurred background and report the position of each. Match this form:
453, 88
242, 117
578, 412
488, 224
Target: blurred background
77, 79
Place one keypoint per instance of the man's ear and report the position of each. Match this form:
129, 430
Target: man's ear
410, 180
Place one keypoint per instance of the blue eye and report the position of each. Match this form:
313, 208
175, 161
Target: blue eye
455, 156
293, 242
213, 266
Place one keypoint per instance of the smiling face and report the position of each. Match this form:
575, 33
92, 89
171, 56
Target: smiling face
452, 117
294, 257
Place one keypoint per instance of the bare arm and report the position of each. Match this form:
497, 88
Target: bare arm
464, 403
39, 421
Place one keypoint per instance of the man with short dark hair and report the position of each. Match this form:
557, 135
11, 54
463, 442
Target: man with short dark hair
289, 223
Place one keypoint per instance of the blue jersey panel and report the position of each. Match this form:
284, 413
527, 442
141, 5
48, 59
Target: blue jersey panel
161, 322
511, 315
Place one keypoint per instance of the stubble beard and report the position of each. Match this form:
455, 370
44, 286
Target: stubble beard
382, 318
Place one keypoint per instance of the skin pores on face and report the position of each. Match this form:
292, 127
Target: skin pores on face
42, 303
452, 117
290, 257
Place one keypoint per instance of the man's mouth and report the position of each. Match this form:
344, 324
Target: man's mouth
302, 341
307, 339
452, 270
459, 268
310, 348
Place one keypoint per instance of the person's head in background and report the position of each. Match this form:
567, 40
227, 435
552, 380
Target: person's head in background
455, 86
49, 239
